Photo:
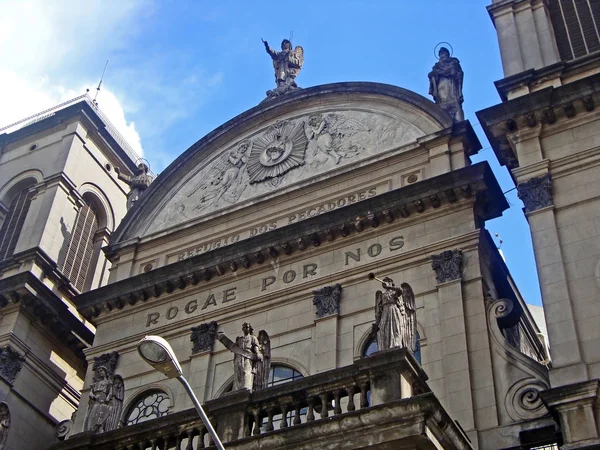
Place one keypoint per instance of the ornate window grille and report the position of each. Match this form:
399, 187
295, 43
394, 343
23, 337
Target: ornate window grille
149, 405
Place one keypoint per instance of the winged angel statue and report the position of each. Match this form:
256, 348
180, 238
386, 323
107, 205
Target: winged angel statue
251, 360
106, 396
287, 64
395, 316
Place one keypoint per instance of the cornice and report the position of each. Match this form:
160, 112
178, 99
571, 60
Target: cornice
476, 181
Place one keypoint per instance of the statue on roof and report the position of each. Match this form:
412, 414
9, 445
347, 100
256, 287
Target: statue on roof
287, 64
138, 183
446, 84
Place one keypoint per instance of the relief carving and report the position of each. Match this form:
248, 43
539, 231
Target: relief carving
327, 300
4, 424
11, 363
447, 265
203, 337
106, 395
536, 193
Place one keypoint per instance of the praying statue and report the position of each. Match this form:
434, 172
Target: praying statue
251, 360
287, 64
446, 83
395, 316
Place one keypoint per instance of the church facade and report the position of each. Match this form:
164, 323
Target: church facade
282, 220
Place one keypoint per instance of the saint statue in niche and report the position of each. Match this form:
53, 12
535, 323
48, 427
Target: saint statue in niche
251, 360
395, 316
446, 83
287, 64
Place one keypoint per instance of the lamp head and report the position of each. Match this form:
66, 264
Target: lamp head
157, 352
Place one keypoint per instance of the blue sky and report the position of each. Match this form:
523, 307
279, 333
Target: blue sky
179, 69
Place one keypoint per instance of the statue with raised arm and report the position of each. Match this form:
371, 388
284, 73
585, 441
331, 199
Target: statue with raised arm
251, 360
395, 316
287, 64
446, 84
138, 183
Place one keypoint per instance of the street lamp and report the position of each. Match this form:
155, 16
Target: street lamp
157, 352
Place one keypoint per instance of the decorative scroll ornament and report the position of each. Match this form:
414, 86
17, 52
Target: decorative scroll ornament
526, 376
280, 149
106, 395
4, 424
11, 363
327, 300
536, 193
251, 360
64, 429
447, 265
203, 337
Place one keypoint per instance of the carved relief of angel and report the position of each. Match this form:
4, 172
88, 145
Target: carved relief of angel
106, 402
395, 316
328, 138
226, 180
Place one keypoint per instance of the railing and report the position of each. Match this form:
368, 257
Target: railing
388, 381
112, 130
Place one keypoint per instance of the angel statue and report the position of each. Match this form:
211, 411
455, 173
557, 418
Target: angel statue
106, 401
251, 360
446, 84
395, 316
287, 64
138, 183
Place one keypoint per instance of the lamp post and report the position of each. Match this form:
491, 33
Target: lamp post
157, 352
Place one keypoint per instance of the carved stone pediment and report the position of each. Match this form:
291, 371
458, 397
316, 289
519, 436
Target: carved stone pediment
203, 336
11, 363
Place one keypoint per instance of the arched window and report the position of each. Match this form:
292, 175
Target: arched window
371, 347
76, 262
13, 222
149, 405
282, 374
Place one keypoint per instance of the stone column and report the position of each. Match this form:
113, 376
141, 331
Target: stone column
327, 301
455, 360
203, 338
536, 194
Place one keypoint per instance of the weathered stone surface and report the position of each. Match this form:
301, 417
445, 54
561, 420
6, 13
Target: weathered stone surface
447, 265
11, 363
327, 300
536, 193
203, 336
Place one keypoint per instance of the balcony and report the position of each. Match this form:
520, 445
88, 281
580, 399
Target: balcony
379, 402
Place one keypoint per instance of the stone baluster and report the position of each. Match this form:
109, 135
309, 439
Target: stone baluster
153, 444
165, 445
297, 419
324, 406
337, 408
284, 411
269, 425
257, 422
310, 416
351, 406
178, 442
364, 401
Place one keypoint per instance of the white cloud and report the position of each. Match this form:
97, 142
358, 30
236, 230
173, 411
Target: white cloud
46, 49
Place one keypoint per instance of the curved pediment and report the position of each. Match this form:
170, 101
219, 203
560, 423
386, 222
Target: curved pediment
280, 146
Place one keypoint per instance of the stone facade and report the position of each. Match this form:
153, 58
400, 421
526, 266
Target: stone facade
547, 133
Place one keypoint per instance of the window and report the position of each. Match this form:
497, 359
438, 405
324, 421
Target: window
576, 26
371, 347
13, 223
149, 405
282, 374
76, 262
